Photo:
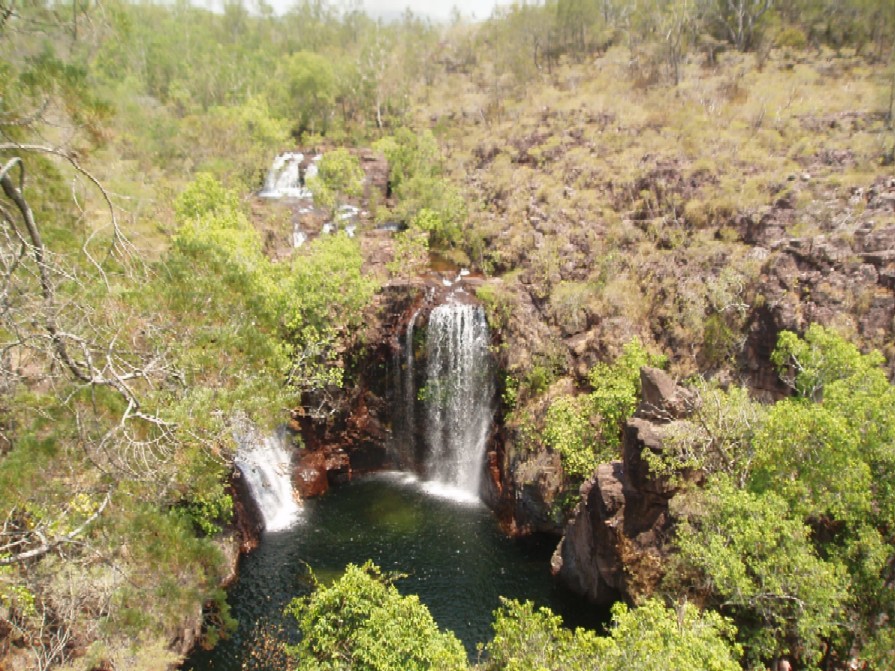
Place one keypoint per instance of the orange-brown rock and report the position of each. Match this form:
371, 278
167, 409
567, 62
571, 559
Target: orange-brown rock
309, 475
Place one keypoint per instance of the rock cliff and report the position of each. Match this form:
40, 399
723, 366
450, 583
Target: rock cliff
614, 545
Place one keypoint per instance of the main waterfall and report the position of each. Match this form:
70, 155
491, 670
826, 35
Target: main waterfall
266, 465
459, 395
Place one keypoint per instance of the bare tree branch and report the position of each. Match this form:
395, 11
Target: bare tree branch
46, 545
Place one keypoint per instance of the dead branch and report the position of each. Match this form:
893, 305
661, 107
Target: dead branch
40, 533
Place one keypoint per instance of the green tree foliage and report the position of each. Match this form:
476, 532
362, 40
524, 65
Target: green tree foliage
529, 639
569, 430
807, 364
677, 639
757, 564
215, 232
425, 200
804, 489
339, 177
409, 155
411, 253
311, 89
718, 437
577, 21
361, 622
328, 288
833, 459
587, 430
292, 321
616, 388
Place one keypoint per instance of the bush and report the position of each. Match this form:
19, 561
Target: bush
361, 622
683, 638
587, 430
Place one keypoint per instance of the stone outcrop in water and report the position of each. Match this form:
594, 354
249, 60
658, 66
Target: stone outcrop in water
614, 544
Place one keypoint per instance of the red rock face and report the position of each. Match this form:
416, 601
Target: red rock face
309, 476
247, 518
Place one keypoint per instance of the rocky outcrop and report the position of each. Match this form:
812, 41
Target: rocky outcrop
375, 168
614, 544
528, 501
248, 523
844, 282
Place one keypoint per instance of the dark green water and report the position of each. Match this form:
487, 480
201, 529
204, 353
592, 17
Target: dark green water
455, 557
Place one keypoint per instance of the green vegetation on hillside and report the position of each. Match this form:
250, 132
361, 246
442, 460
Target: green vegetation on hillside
586, 430
685, 177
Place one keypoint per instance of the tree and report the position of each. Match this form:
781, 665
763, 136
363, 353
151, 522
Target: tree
746, 555
575, 20
529, 639
807, 364
587, 430
831, 453
741, 19
718, 437
361, 622
678, 639
311, 91
339, 176
812, 496
678, 23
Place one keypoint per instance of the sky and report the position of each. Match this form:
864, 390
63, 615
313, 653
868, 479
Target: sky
435, 9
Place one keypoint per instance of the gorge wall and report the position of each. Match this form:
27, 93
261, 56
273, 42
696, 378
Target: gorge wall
612, 541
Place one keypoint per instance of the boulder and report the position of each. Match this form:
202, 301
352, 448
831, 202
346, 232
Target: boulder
309, 477
537, 482
661, 398
587, 558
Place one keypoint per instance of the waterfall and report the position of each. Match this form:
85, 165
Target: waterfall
284, 179
266, 465
409, 386
402, 396
459, 395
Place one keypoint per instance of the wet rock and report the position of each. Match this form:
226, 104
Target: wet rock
537, 483
247, 519
338, 467
309, 477
375, 168
587, 558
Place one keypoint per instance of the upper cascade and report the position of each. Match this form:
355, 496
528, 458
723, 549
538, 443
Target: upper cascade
286, 178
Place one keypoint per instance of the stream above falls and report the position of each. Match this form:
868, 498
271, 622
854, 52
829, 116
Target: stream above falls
453, 554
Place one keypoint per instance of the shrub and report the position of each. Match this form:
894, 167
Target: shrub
362, 622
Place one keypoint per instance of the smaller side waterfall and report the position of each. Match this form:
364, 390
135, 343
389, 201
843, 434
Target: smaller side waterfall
459, 395
266, 465
410, 378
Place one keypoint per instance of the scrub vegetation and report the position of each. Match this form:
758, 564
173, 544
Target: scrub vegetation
702, 185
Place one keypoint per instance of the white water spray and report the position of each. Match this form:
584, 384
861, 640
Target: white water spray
459, 396
266, 465
284, 178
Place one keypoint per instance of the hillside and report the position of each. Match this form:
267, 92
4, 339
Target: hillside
679, 218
